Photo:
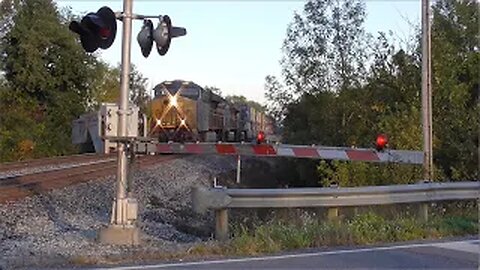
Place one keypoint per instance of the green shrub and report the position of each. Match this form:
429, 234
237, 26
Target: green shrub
368, 228
457, 225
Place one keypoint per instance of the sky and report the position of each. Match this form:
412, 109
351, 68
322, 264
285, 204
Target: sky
231, 45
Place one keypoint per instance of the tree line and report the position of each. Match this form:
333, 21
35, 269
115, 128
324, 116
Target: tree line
47, 80
341, 86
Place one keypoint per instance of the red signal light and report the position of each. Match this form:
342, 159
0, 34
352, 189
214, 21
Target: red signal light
96, 30
104, 32
260, 137
381, 142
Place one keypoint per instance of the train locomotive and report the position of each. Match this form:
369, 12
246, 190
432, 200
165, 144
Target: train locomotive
184, 111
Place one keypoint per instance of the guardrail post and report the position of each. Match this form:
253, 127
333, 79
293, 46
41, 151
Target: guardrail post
221, 224
332, 214
423, 212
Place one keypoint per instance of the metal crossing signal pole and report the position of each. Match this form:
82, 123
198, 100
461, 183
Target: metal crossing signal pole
119, 216
122, 228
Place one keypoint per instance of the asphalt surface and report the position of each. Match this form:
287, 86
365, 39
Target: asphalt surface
461, 254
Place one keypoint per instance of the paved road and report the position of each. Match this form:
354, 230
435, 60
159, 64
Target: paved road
436, 255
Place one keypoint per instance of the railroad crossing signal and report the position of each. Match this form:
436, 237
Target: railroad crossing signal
260, 137
381, 142
96, 30
162, 35
145, 38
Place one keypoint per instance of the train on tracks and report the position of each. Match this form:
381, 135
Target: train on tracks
181, 111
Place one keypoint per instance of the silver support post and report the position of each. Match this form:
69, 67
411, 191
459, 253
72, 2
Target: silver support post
427, 92
239, 168
122, 117
122, 230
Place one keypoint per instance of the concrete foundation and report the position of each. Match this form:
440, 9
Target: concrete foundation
119, 235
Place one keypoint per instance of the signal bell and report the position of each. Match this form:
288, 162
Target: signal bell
162, 35
381, 142
96, 30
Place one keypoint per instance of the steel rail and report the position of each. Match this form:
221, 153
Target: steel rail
62, 167
43, 181
19, 165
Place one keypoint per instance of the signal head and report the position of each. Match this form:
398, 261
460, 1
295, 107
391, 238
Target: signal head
163, 34
96, 30
260, 137
381, 142
107, 27
145, 38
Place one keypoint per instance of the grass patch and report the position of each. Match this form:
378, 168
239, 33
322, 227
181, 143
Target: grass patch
307, 232
363, 229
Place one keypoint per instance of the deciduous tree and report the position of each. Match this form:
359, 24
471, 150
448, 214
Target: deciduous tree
48, 77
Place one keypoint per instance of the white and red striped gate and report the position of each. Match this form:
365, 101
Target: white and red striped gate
283, 150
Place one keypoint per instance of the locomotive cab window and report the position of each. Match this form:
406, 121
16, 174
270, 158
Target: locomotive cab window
190, 92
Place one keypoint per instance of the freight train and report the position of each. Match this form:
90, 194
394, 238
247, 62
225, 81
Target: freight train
184, 111
181, 111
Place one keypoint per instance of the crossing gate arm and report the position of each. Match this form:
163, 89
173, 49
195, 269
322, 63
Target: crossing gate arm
283, 150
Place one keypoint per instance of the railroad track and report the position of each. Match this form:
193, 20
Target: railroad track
21, 165
20, 185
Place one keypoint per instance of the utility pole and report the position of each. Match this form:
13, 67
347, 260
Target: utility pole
426, 103
427, 93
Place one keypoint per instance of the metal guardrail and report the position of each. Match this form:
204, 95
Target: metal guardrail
220, 199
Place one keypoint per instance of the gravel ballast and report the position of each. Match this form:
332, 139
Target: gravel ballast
56, 227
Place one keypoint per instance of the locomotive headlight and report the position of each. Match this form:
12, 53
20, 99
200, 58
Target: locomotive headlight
173, 101
182, 122
159, 122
